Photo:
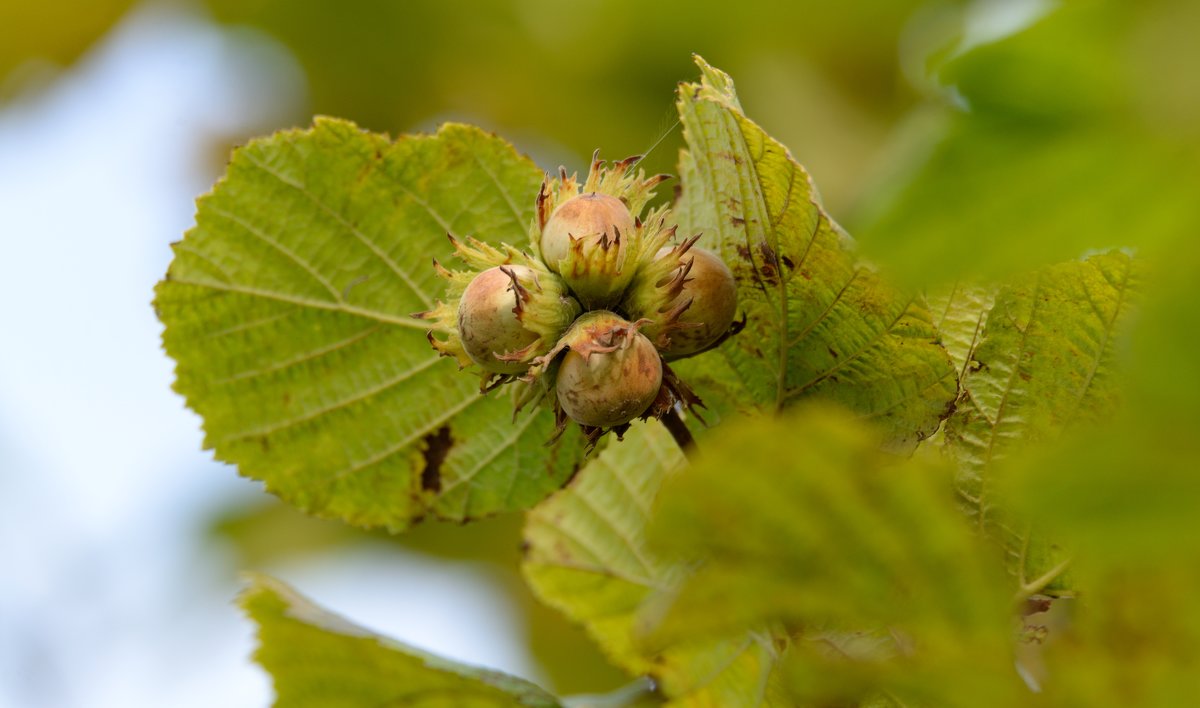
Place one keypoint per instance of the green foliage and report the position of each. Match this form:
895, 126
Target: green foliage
401, 66
288, 310
874, 576
586, 556
961, 312
819, 323
1044, 362
1077, 132
797, 559
320, 659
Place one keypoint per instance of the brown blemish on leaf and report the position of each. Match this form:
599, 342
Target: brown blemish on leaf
437, 446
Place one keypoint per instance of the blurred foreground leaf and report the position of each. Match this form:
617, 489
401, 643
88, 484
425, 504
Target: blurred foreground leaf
819, 323
288, 311
586, 556
319, 659
1125, 493
877, 578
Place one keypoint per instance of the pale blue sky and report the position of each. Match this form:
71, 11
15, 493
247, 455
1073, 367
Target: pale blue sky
110, 597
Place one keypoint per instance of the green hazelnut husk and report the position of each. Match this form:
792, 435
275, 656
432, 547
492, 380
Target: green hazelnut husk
502, 314
594, 235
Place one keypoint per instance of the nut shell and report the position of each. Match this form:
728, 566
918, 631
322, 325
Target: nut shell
713, 292
488, 322
611, 379
586, 216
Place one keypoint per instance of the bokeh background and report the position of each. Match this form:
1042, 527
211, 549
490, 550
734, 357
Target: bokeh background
953, 138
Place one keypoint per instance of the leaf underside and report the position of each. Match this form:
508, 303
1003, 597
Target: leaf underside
319, 659
288, 310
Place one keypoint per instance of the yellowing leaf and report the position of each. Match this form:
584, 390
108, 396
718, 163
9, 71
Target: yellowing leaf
819, 322
288, 309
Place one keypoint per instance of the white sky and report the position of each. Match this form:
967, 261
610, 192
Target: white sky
108, 597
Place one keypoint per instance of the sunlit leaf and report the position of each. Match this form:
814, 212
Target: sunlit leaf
819, 322
319, 659
288, 309
586, 556
801, 522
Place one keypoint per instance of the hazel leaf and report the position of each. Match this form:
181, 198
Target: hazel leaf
879, 581
319, 659
288, 310
820, 323
1046, 361
586, 556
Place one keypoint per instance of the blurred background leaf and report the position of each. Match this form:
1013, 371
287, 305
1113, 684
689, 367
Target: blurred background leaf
39, 38
561, 84
1078, 132
269, 533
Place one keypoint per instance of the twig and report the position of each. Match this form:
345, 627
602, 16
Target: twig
679, 430
1038, 584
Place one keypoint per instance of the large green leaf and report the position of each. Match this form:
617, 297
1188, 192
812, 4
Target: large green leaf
319, 659
586, 555
288, 311
800, 521
1045, 362
819, 322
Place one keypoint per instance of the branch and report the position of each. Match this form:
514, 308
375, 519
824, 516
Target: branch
1038, 584
679, 430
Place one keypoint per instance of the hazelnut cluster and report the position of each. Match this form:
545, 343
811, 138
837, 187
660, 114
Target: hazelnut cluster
591, 317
